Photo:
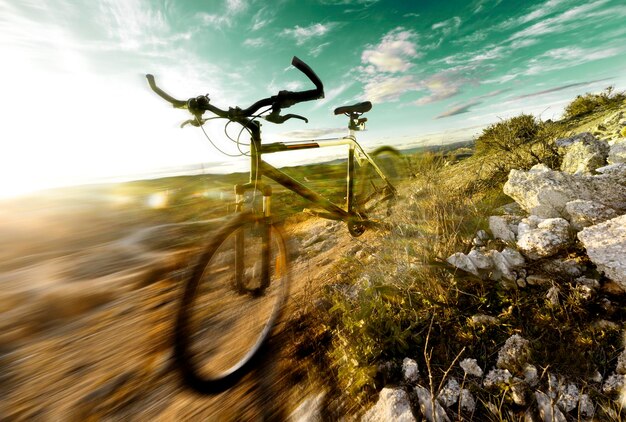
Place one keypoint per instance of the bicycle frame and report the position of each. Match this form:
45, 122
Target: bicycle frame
259, 168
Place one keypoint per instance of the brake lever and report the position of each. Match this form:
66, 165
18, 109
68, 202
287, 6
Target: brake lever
278, 119
193, 122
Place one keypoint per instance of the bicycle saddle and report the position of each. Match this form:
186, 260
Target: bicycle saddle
355, 108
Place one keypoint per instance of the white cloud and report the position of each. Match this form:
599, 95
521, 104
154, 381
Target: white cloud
236, 6
393, 53
331, 94
442, 85
303, 34
385, 88
539, 12
261, 19
316, 51
559, 22
254, 42
448, 26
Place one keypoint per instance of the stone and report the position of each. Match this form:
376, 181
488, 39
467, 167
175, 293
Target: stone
392, 405
553, 295
606, 247
565, 143
544, 192
592, 283
587, 213
480, 260
449, 394
621, 363
584, 155
410, 371
519, 391
310, 410
614, 384
497, 378
467, 402
481, 238
431, 409
538, 280
482, 319
471, 367
586, 409
503, 270
617, 153
500, 229
568, 398
513, 257
462, 262
531, 375
514, 354
558, 267
547, 410
543, 239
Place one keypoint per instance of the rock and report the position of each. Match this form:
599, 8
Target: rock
438, 414
392, 405
538, 280
543, 238
621, 363
592, 283
481, 319
310, 410
449, 394
544, 192
614, 384
513, 257
565, 143
471, 367
587, 213
553, 295
519, 391
547, 410
568, 398
500, 229
530, 375
586, 409
462, 262
410, 371
503, 270
617, 172
497, 378
514, 354
606, 247
584, 156
560, 267
480, 260
467, 402
481, 238
617, 153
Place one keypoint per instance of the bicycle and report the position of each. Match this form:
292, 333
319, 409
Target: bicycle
246, 261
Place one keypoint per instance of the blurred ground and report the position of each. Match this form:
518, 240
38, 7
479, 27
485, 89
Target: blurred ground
88, 289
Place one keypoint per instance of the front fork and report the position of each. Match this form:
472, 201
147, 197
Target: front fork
262, 227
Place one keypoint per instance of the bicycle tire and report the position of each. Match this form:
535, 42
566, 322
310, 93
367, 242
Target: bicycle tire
223, 326
375, 196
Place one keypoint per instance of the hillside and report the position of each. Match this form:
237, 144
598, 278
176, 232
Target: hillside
455, 311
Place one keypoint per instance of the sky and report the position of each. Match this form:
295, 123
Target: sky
76, 107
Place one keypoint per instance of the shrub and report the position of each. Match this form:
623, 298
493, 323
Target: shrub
622, 133
588, 103
508, 135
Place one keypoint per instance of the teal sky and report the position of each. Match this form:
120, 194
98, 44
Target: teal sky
76, 106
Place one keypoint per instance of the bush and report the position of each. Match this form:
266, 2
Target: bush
508, 135
588, 103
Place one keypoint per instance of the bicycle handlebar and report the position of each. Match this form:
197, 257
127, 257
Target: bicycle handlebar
283, 99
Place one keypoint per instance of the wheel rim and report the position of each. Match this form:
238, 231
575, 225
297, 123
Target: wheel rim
227, 322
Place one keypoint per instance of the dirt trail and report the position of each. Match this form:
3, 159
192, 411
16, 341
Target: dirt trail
87, 335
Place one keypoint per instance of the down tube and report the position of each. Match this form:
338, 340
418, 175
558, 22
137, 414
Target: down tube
297, 187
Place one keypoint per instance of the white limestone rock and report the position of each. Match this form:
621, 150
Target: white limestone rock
585, 407
467, 402
503, 270
568, 397
514, 354
547, 410
606, 247
426, 406
392, 405
513, 257
614, 384
449, 394
584, 155
587, 213
480, 260
544, 192
497, 378
617, 153
462, 262
410, 371
471, 367
500, 228
543, 238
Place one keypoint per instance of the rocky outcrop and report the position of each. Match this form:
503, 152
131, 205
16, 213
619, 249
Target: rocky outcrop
544, 192
583, 213
541, 238
392, 405
606, 247
584, 154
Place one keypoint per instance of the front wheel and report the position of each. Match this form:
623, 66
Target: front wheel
231, 303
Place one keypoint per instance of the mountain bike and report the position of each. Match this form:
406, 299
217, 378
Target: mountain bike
239, 285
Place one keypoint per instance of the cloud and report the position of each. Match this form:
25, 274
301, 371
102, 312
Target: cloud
393, 53
539, 12
466, 107
442, 85
386, 88
304, 34
261, 19
254, 42
236, 6
349, 2
331, 94
448, 26
556, 89
558, 23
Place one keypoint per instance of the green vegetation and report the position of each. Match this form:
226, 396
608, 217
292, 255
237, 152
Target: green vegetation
588, 103
401, 299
